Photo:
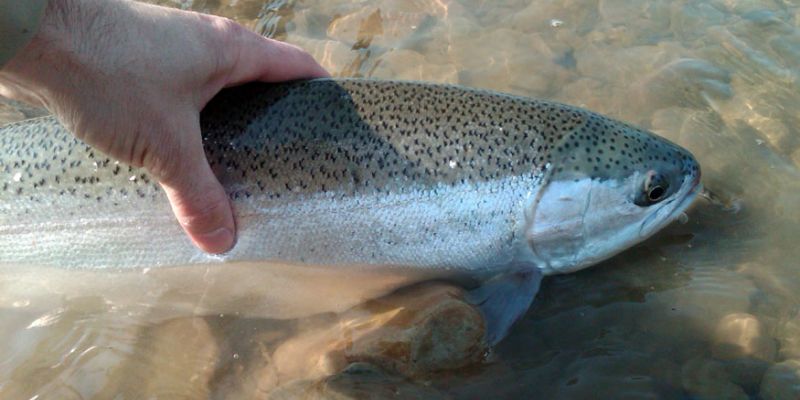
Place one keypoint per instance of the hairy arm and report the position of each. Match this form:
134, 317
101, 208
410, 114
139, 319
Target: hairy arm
19, 21
130, 79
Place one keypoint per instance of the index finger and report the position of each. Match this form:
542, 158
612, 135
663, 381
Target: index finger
269, 60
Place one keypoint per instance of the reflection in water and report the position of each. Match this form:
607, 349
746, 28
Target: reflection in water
707, 309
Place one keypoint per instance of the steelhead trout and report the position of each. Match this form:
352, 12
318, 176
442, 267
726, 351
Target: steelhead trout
344, 189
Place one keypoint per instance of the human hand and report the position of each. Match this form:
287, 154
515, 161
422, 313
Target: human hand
130, 79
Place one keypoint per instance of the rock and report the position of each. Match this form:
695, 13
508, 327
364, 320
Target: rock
357, 381
582, 93
627, 23
431, 329
336, 57
745, 6
490, 10
437, 42
742, 342
787, 48
616, 12
689, 20
379, 27
310, 355
766, 113
686, 81
358, 29
708, 379
781, 381
503, 60
637, 66
410, 65
742, 335
415, 332
178, 359
616, 375
704, 300
252, 375
771, 279
796, 158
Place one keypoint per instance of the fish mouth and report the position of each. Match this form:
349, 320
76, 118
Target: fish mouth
688, 198
681, 203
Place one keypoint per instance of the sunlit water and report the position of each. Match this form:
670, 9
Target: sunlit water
707, 309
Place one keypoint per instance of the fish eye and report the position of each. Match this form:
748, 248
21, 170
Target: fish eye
656, 193
654, 189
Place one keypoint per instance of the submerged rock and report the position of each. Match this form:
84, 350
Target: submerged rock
178, 360
781, 381
788, 336
358, 381
742, 335
708, 379
746, 348
411, 65
414, 332
334, 56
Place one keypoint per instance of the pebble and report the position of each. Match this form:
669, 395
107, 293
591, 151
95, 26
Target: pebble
742, 335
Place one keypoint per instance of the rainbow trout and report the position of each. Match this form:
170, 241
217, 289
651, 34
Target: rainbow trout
343, 190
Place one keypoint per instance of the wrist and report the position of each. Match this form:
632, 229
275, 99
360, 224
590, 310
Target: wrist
62, 49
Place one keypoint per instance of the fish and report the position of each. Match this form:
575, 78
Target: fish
343, 190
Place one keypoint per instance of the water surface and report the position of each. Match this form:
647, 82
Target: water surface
706, 309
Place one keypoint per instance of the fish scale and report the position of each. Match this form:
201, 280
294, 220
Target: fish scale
360, 136
364, 137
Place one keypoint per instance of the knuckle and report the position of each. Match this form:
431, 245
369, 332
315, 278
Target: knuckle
226, 41
228, 31
225, 25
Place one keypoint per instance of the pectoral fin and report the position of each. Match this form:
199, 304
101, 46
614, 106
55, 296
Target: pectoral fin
504, 299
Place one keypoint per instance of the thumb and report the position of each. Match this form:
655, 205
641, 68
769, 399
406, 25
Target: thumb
197, 198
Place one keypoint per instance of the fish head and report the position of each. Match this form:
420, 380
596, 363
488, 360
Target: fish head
608, 187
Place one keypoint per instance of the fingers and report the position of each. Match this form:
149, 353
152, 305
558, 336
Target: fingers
197, 198
267, 60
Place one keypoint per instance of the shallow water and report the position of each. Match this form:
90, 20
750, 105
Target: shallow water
706, 309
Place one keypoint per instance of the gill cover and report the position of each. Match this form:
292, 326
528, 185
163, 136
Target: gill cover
610, 186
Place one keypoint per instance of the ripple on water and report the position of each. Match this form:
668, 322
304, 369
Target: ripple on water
66, 353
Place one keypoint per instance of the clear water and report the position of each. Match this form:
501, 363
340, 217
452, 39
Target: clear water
707, 309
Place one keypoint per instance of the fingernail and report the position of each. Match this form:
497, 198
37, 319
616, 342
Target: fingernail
217, 241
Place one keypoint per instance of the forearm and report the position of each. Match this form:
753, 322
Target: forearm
19, 22
69, 46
